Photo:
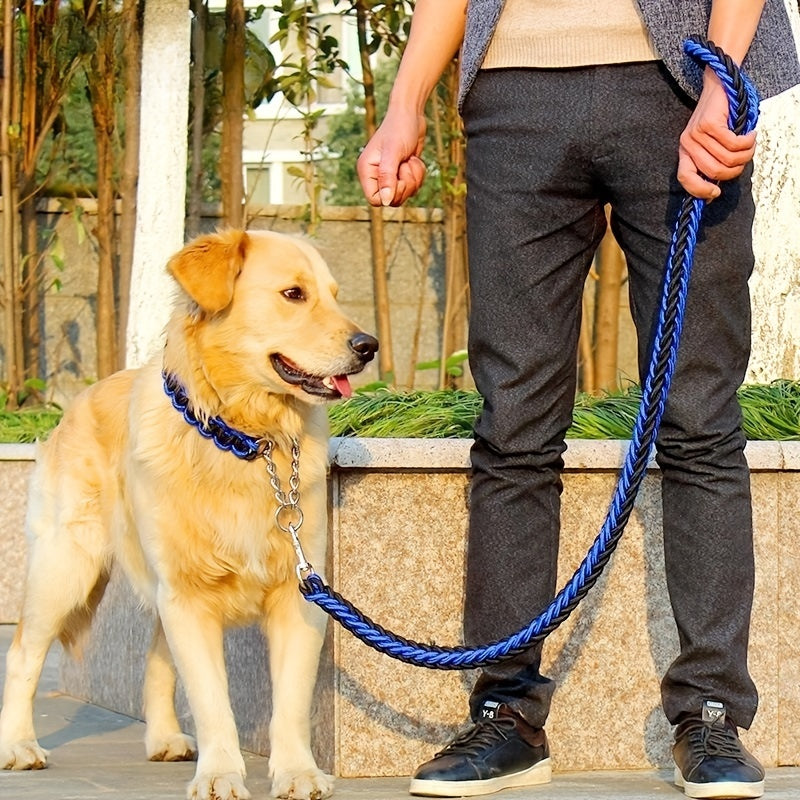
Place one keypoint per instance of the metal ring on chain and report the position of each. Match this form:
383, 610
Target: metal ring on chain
282, 510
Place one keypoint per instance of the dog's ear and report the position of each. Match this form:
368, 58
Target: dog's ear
208, 266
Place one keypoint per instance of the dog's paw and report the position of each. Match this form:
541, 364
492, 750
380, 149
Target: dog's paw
23, 755
176, 747
228, 786
308, 784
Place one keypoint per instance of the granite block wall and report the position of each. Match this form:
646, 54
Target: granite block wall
398, 518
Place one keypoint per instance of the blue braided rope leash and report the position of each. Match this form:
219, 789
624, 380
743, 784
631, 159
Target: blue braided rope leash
743, 102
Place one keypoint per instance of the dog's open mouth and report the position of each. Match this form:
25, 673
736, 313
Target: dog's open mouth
329, 386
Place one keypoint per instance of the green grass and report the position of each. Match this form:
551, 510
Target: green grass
28, 424
770, 412
415, 415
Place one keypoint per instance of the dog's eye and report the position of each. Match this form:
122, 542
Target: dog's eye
295, 293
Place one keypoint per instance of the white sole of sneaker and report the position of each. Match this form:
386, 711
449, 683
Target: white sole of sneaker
538, 774
724, 790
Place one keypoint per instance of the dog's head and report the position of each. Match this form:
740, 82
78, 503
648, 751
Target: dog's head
264, 305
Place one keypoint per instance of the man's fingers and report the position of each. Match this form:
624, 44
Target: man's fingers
713, 169
712, 150
367, 170
724, 137
406, 183
715, 157
418, 169
378, 167
387, 173
411, 174
693, 182
709, 151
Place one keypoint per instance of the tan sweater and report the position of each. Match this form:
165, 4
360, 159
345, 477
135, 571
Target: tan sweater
568, 33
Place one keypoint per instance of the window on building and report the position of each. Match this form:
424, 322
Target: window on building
257, 189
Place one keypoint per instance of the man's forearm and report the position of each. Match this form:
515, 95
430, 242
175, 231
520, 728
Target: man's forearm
733, 25
437, 30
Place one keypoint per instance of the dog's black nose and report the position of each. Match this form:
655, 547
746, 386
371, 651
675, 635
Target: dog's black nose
364, 346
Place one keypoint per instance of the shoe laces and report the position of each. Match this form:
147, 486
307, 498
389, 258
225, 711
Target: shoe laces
474, 740
708, 740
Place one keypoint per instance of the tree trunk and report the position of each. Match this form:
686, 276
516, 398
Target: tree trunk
454, 325
380, 281
233, 114
38, 104
198, 89
611, 271
13, 333
132, 55
425, 257
106, 305
450, 154
30, 277
30, 284
101, 88
586, 379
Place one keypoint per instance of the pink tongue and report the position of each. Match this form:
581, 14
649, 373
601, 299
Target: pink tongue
342, 385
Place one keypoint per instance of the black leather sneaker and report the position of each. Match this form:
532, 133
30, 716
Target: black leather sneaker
710, 761
499, 751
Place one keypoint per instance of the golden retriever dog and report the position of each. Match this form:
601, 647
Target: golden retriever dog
258, 342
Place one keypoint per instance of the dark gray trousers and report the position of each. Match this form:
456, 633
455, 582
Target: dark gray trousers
546, 149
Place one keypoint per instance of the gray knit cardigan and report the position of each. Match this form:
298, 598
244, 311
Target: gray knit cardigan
771, 62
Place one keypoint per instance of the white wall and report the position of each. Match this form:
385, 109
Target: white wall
775, 285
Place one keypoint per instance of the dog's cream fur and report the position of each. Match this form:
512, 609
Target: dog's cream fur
124, 478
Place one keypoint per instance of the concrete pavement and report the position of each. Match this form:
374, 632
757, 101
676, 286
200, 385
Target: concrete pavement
97, 754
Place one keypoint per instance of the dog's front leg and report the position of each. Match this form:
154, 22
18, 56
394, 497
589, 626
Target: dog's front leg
295, 631
195, 639
18, 746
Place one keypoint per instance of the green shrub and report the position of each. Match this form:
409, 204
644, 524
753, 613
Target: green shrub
770, 412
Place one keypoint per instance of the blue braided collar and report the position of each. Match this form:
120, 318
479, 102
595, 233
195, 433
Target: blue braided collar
223, 436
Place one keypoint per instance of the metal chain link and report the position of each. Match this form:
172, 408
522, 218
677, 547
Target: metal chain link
288, 503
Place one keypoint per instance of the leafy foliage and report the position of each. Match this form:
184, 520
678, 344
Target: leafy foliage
69, 169
56, 44
68, 166
312, 56
259, 67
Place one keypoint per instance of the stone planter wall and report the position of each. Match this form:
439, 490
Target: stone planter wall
16, 464
398, 517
